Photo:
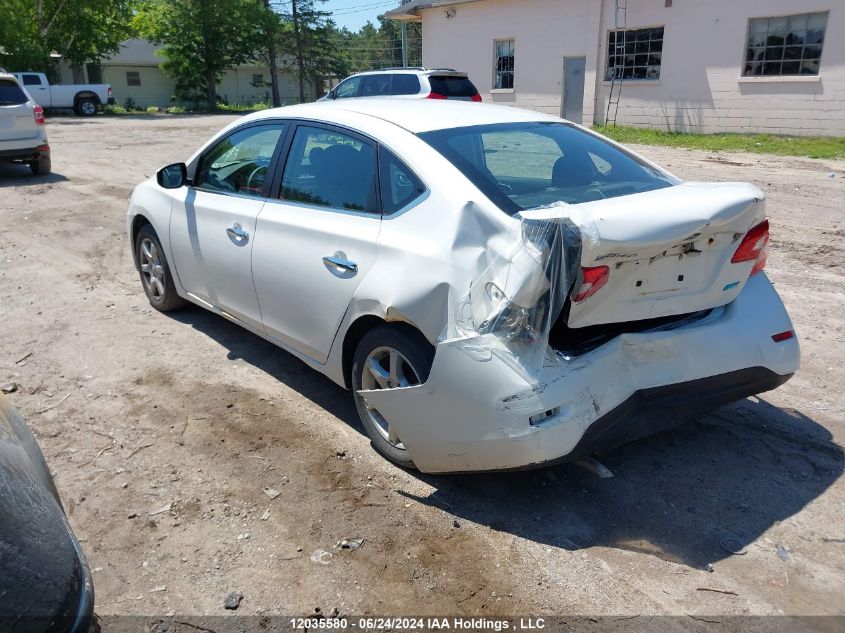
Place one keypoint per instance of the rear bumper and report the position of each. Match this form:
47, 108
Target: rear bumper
24, 154
478, 412
657, 409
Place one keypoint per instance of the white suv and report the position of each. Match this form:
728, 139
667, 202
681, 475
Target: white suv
407, 83
23, 133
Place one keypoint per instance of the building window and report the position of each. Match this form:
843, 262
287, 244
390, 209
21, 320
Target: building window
258, 81
503, 65
634, 53
786, 45
133, 78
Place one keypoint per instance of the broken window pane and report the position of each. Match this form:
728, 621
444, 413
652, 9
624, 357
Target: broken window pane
642, 54
782, 41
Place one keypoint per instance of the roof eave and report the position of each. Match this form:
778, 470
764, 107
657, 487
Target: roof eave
411, 11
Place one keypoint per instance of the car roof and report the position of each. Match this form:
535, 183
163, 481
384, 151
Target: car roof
414, 115
411, 70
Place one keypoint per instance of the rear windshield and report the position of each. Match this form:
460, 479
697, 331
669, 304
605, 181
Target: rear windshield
525, 165
11, 93
452, 86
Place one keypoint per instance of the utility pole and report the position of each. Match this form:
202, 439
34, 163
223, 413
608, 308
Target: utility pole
271, 52
300, 58
404, 43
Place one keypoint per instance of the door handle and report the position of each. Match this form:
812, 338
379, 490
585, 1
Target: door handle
237, 232
340, 262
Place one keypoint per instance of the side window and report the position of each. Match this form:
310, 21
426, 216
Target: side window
31, 80
376, 86
330, 169
399, 185
348, 88
405, 85
239, 163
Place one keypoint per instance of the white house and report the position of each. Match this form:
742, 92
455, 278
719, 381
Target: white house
134, 73
688, 65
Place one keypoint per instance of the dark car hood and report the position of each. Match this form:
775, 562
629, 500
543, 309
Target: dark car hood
44, 581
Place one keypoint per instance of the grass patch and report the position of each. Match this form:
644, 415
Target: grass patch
809, 146
222, 108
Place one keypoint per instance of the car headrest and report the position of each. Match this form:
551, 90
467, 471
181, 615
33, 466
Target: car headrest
574, 169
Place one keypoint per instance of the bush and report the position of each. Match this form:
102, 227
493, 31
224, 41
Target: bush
153, 109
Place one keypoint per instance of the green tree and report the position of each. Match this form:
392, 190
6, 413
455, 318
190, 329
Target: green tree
202, 38
379, 46
309, 42
78, 31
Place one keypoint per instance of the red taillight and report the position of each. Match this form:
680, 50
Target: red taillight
110, 91
592, 281
783, 336
476, 97
754, 247
434, 95
38, 113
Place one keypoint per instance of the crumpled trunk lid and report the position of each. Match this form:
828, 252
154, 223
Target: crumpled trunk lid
668, 251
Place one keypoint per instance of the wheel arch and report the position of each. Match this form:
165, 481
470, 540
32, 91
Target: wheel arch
86, 94
358, 329
138, 222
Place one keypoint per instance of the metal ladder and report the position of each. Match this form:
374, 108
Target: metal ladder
616, 80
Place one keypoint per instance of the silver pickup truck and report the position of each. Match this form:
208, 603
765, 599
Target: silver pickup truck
85, 99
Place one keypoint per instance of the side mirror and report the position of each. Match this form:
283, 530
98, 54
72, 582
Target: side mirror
332, 94
173, 176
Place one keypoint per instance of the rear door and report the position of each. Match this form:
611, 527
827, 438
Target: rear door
317, 241
376, 85
17, 120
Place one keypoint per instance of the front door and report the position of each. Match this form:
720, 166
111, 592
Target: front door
212, 225
316, 242
573, 88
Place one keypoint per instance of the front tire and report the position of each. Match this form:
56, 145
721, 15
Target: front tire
155, 272
389, 356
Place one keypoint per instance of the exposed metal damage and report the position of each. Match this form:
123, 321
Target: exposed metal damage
501, 396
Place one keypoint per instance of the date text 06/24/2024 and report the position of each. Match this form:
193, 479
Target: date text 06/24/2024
419, 624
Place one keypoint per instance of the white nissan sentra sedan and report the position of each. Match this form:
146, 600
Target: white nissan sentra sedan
498, 288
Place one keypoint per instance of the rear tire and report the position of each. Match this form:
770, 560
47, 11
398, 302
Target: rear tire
156, 277
86, 107
42, 166
388, 356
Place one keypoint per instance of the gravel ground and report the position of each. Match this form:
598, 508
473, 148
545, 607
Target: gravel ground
165, 431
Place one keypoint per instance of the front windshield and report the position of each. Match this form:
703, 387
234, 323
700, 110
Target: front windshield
525, 165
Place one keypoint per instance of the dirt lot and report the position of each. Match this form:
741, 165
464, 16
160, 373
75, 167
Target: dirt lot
163, 431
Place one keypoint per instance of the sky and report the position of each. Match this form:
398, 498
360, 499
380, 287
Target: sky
353, 14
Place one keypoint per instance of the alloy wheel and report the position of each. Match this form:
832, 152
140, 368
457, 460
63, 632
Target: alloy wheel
387, 368
152, 269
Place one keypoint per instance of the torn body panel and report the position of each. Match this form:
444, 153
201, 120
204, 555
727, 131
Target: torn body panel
668, 251
480, 410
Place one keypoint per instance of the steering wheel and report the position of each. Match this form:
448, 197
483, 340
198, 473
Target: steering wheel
260, 170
